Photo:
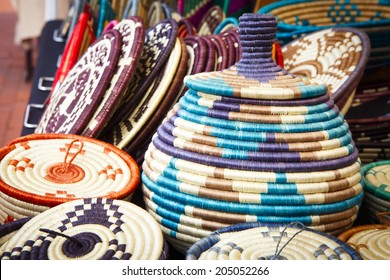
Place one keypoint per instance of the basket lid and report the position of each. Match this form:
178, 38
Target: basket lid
256, 75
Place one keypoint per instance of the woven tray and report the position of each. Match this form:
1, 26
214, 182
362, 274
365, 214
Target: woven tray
89, 229
132, 31
44, 170
159, 42
185, 28
270, 242
128, 128
337, 56
170, 98
370, 241
75, 100
227, 24
210, 20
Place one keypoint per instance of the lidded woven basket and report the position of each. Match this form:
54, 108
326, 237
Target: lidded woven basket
252, 143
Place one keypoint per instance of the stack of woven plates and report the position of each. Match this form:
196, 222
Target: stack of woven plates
370, 92
159, 63
370, 126
257, 241
337, 56
252, 143
210, 21
372, 242
86, 98
226, 24
40, 171
88, 229
376, 189
194, 10
297, 18
185, 28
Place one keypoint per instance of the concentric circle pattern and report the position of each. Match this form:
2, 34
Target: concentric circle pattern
41, 171
252, 143
256, 241
371, 241
93, 228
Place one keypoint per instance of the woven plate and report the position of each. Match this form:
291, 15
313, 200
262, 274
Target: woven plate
370, 92
75, 100
127, 129
170, 98
133, 34
370, 241
227, 24
336, 56
211, 59
155, 13
194, 11
370, 112
96, 228
44, 170
221, 52
185, 28
210, 21
159, 42
270, 242
199, 48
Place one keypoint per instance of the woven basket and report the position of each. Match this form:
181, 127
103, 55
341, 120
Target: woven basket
297, 18
40, 171
370, 241
90, 229
377, 189
257, 241
252, 143
337, 56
